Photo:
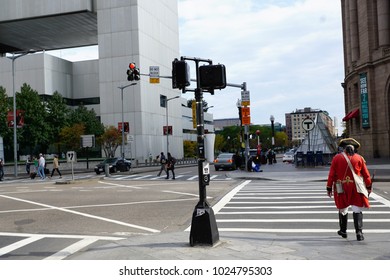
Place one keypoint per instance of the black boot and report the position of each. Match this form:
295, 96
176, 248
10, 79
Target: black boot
343, 221
358, 222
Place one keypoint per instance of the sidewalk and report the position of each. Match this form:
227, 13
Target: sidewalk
287, 171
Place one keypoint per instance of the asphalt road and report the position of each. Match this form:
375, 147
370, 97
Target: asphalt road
98, 208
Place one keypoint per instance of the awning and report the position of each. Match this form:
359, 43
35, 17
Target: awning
351, 115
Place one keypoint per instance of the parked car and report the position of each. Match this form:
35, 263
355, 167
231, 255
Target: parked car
114, 164
225, 161
288, 157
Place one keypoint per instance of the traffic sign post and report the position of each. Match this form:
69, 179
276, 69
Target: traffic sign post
308, 125
71, 157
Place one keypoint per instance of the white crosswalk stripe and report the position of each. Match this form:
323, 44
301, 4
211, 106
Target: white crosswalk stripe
299, 208
78, 243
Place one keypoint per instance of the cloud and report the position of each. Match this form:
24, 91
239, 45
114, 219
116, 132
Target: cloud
288, 52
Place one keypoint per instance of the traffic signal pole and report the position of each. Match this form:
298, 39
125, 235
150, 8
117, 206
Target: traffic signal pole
204, 228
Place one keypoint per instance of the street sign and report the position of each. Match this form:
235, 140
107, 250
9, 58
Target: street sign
246, 120
88, 141
154, 74
71, 156
308, 124
245, 98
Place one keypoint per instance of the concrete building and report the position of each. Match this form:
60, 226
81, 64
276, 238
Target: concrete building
144, 32
366, 38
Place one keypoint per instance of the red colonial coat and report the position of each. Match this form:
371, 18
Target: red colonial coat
339, 170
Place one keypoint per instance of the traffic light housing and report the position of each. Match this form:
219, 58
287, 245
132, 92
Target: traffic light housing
180, 74
132, 72
137, 74
212, 77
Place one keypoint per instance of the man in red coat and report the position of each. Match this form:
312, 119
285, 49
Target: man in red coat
341, 183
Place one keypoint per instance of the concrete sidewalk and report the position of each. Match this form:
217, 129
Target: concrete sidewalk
287, 171
243, 246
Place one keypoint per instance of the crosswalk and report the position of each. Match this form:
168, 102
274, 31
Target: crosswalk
291, 208
25, 246
150, 177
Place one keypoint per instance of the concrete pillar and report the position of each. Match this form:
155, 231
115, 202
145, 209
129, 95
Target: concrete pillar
383, 7
354, 29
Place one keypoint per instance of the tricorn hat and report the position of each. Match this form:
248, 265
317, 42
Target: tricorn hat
349, 141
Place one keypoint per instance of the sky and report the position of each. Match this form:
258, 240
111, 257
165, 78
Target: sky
289, 53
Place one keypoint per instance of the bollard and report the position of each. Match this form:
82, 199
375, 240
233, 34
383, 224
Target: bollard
107, 170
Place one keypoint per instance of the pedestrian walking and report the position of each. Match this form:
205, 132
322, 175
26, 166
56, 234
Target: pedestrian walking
56, 165
163, 162
171, 161
33, 168
28, 163
1, 169
341, 183
41, 167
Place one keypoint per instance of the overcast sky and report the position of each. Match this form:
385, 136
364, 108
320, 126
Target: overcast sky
289, 52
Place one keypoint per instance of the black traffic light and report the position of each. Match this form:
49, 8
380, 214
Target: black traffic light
212, 77
130, 72
180, 74
137, 74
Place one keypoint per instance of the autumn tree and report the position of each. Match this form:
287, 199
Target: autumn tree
110, 140
70, 136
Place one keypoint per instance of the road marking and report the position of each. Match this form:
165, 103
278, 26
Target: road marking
287, 230
370, 212
294, 220
192, 178
64, 236
75, 247
119, 185
217, 207
82, 214
19, 244
143, 177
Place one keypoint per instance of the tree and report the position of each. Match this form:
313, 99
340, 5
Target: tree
189, 147
57, 117
110, 140
35, 133
204, 104
88, 118
5, 107
70, 136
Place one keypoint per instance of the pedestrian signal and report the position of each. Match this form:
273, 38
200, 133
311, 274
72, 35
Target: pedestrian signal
180, 74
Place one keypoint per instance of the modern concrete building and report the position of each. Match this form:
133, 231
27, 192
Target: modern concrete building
144, 32
366, 37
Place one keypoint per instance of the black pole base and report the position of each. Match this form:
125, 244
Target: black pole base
204, 230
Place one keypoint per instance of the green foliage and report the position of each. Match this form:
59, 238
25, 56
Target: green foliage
47, 124
36, 128
88, 118
190, 150
204, 104
57, 114
5, 107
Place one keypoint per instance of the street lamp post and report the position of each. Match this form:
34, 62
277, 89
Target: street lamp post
123, 124
272, 119
166, 111
13, 58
